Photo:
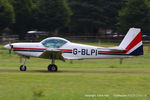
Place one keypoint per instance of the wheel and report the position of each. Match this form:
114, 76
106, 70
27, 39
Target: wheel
52, 68
23, 68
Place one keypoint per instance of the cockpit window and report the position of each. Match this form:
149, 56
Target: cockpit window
53, 43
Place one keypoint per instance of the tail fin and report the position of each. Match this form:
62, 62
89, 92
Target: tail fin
132, 42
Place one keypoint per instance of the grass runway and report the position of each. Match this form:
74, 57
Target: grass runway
98, 79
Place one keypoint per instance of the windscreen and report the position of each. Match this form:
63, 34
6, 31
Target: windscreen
53, 43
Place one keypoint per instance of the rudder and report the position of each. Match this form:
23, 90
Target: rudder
132, 42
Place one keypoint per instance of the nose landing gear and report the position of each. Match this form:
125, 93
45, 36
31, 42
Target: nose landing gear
23, 67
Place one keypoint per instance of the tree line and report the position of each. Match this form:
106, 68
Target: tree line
76, 17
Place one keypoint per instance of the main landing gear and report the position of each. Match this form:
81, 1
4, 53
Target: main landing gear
52, 67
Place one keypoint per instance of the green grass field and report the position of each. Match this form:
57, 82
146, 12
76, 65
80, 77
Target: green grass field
98, 79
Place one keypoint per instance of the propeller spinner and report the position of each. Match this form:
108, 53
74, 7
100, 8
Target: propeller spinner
9, 47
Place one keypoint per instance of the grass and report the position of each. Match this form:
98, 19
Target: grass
98, 79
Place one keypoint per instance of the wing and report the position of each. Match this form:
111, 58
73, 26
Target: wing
52, 54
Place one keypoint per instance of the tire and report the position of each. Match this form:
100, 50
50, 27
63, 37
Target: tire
23, 68
52, 68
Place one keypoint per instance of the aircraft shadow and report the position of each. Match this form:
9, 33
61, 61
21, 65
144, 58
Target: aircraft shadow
78, 71
94, 71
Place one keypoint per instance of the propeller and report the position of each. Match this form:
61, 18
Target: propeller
11, 47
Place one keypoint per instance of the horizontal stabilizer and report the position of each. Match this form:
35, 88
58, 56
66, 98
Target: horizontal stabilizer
113, 49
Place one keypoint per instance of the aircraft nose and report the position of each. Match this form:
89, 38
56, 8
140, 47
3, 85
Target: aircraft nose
7, 46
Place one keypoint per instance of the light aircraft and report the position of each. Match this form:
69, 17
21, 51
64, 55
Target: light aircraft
56, 48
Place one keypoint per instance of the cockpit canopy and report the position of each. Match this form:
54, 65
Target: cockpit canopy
54, 42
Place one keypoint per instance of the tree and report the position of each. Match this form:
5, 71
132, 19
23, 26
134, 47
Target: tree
136, 13
23, 16
90, 15
7, 16
51, 15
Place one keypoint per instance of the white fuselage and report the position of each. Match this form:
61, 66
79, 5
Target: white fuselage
70, 51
